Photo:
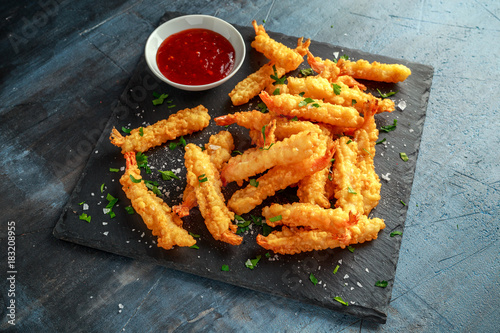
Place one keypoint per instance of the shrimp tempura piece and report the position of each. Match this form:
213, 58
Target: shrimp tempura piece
320, 88
317, 111
281, 55
280, 177
204, 177
295, 240
156, 214
219, 148
312, 189
326, 68
249, 119
183, 122
374, 71
256, 160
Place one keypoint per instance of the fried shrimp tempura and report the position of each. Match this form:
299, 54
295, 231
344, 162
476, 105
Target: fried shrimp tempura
255, 160
374, 71
312, 189
155, 213
219, 148
280, 177
253, 84
295, 240
317, 111
183, 122
249, 119
204, 177
326, 68
281, 55
320, 88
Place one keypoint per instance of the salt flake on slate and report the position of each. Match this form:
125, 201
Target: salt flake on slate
366, 269
402, 105
85, 206
346, 276
359, 284
386, 176
105, 233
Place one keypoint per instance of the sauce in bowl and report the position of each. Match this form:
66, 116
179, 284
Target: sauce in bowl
195, 57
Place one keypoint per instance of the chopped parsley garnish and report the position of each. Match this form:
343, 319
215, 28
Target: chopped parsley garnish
354, 102
336, 269
336, 88
194, 235
308, 100
276, 91
262, 107
243, 225
130, 210
272, 144
159, 98
381, 284
252, 263
403, 156
114, 170
366, 151
85, 217
351, 191
153, 186
254, 182
142, 161
225, 268
111, 203
348, 141
236, 152
168, 175
386, 95
266, 230
344, 57
404, 204
306, 72
202, 178
396, 233
81, 203
173, 145
263, 131
126, 130
275, 77
294, 118
350, 248
381, 141
275, 219
389, 128
182, 141
141, 131
313, 279
341, 301
102, 187
268, 255
196, 247
301, 94
135, 180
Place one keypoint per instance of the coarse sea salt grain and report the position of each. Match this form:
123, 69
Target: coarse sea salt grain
359, 284
85, 206
402, 105
105, 233
386, 176
346, 276
336, 55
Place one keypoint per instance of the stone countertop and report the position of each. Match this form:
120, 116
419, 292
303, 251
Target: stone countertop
64, 65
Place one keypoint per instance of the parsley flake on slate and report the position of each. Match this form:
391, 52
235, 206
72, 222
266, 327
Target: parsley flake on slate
111, 203
114, 170
336, 89
196, 247
102, 187
85, 217
252, 263
168, 175
130, 210
396, 233
306, 72
351, 249
336, 269
404, 204
386, 95
194, 235
126, 130
142, 161
344, 57
389, 128
225, 268
313, 279
403, 156
381, 141
341, 301
159, 98
262, 107
153, 186
381, 284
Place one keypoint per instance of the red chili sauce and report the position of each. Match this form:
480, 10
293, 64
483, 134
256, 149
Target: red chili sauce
195, 57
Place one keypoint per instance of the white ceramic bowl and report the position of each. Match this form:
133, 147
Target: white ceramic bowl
194, 22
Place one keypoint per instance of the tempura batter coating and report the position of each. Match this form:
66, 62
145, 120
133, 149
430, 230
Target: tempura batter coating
374, 71
280, 177
204, 177
155, 213
255, 160
327, 113
253, 84
281, 55
320, 88
219, 148
183, 122
295, 240
312, 189
249, 119
325, 68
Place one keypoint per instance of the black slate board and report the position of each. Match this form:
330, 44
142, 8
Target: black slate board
282, 275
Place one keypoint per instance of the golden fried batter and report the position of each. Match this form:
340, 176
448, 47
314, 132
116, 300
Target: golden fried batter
374, 71
204, 177
155, 213
183, 122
